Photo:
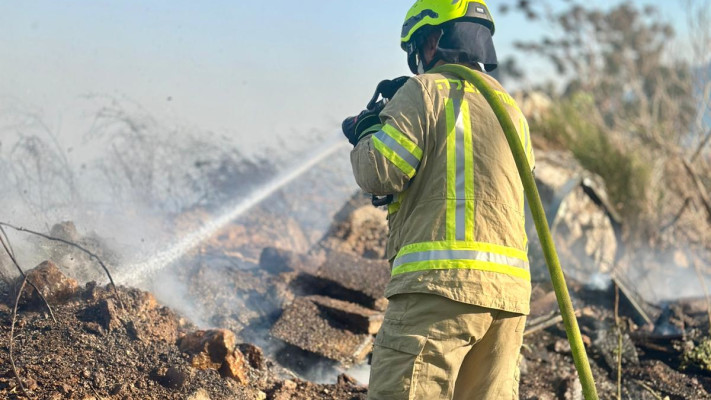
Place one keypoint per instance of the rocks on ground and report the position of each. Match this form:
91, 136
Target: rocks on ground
581, 219
215, 349
335, 313
100, 349
49, 282
305, 324
358, 228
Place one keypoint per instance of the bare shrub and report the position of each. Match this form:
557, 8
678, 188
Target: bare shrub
35, 164
630, 110
167, 168
135, 162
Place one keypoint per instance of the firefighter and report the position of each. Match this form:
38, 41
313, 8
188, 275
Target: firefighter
460, 286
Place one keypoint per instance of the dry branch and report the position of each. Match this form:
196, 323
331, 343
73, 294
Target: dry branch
678, 215
650, 390
701, 146
67, 242
12, 339
545, 323
7, 240
702, 192
11, 254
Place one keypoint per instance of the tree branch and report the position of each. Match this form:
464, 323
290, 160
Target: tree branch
703, 144
678, 215
702, 192
91, 255
12, 339
14, 260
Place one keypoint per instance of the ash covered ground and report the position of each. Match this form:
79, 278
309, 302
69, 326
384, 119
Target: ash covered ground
268, 308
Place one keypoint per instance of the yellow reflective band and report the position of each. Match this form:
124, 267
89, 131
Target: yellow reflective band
456, 84
393, 157
397, 202
399, 137
451, 228
468, 174
474, 246
507, 99
462, 255
463, 264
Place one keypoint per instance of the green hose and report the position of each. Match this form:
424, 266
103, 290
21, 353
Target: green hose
539, 217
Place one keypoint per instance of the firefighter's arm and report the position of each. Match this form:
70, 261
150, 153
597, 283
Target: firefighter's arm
385, 161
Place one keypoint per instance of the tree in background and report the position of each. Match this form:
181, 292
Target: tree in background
631, 109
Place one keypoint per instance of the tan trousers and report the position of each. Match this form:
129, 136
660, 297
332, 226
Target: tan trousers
430, 347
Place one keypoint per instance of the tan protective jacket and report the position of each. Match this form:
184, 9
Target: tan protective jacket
457, 223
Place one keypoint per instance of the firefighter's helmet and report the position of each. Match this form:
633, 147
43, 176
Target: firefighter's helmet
467, 27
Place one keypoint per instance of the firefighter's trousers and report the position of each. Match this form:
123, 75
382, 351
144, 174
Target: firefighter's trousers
431, 347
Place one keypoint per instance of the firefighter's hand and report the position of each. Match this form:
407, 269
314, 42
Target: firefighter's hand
368, 121
387, 89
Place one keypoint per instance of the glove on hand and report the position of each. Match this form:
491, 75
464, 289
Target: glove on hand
387, 89
368, 121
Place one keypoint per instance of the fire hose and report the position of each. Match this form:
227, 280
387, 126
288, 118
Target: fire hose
572, 330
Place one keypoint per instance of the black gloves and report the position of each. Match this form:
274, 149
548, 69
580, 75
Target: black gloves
387, 89
368, 121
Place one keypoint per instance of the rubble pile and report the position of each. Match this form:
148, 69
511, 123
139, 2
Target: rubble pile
339, 308
130, 347
287, 317
651, 354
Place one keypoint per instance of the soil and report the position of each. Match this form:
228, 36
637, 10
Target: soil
651, 363
126, 347
96, 350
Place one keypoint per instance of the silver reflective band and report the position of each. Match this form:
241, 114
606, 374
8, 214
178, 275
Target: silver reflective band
398, 149
460, 175
449, 255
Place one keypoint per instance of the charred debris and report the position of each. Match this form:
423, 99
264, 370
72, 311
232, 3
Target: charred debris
294, 321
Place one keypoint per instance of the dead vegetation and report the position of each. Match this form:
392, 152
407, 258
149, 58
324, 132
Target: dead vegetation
321, 320
635, 112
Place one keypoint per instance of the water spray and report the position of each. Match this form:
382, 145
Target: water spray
539, 217
132, 274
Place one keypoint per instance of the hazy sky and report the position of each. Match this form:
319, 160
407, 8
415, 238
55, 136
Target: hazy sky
255, 69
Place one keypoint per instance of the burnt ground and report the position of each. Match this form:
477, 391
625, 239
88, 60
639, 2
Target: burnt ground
276, 298
653, 362
99, 350
96, 350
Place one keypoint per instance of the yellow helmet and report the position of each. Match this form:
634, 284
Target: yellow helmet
434, 13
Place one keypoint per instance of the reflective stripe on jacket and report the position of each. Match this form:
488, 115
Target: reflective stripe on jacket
457, 221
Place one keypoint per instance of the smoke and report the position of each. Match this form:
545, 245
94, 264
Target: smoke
126, 176
360, 372
667, 275
145, 193
259, 194
170, 290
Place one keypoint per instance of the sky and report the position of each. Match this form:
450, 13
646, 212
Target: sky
264, 72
